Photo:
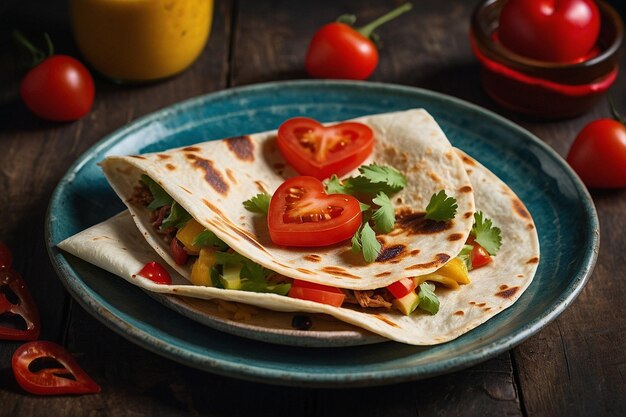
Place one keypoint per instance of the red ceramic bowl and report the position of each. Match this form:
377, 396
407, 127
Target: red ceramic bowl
539, 88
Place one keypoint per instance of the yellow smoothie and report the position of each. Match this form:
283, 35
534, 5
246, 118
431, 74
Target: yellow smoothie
141, 40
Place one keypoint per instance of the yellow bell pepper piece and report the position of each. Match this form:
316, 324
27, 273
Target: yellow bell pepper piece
187, 234
456, 270
450, 275
201, 270
435, 277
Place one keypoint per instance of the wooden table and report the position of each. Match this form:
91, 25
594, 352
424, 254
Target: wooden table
576, 366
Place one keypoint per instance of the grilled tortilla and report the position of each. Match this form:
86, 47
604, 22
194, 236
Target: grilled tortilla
211, 180
118, 247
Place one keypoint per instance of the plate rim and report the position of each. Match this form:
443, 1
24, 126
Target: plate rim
292, 377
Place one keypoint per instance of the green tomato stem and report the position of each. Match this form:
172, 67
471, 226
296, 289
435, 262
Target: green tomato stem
368, 29
49, 44
37, 55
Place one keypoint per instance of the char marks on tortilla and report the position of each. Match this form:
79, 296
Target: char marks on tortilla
410, 141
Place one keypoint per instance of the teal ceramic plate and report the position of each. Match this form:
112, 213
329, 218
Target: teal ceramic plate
560, 205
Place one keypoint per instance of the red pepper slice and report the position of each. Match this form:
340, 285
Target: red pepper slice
15, 299
401, 288
51, 380
316, 292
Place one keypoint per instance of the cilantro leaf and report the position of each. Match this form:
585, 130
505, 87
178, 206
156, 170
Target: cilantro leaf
369, 243
384, 174
485, 234
441, 207
253, 271
215, 278
428, 299
260, 203
356, 241
335, 186
177, 218
208, 239
465, 256
364, 207
385, 216
223, 258
374, 179
160, 197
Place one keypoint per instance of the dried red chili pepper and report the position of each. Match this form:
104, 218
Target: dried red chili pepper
15, 300
69, 378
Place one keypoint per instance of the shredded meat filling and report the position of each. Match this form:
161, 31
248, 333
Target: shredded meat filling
141, 195
369, 298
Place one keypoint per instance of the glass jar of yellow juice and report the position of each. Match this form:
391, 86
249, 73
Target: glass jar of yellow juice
141, 40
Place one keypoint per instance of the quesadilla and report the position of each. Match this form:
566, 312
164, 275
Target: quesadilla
210, 184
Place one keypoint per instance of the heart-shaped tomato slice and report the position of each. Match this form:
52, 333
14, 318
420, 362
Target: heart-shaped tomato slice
321, 151
302, 214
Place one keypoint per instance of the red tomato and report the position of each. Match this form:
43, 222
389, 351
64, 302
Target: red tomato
316, 292
598, 154
401, 288
479, 256
67, 379
319, 151
6, 257
154, 271
339, 51
60, 88
550, 30
178, 252
302, 214
15, 300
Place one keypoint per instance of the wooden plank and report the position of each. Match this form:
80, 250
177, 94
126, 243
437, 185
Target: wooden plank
577, 365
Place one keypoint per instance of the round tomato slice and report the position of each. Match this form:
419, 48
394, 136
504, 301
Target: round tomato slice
321, 151
302, 214
316, 292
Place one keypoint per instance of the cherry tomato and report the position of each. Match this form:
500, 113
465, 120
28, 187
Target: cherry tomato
51, 380
6, 257
60, 88
15, 300
337, 50
598, 154
401, 288
178, 252
479, 255
550, 30
319, 151
316, 292
302, 214
154, 271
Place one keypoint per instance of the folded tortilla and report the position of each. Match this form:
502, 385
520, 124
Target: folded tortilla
118, 247
211, 180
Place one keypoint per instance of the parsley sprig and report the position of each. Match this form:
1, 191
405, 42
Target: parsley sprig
428, 299
486, 234
376, 183
372, 180
441, 207
260, 203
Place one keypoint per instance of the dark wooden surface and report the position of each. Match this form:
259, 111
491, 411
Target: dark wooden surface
576, 366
